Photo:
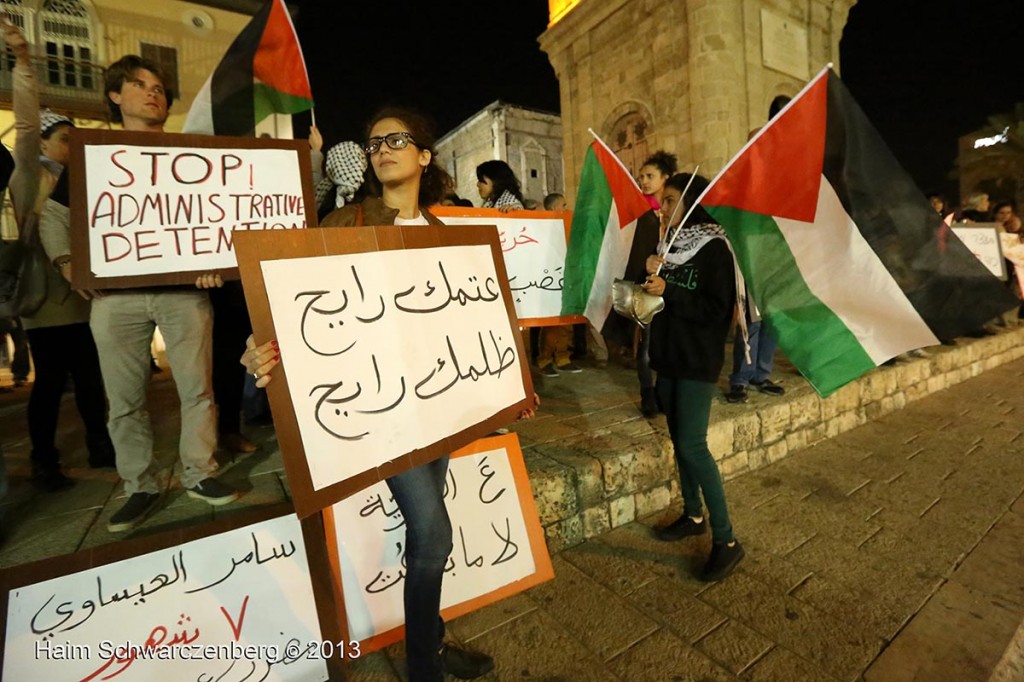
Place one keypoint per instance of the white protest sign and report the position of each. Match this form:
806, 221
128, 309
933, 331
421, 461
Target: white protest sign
390, 351
983, 241
232, 606
155, 210
533, 246
1012, 248
494, 548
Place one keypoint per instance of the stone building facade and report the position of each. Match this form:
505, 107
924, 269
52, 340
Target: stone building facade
689, 76
528, 140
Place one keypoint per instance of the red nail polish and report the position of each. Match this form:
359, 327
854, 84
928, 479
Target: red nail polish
277, 358
274, 342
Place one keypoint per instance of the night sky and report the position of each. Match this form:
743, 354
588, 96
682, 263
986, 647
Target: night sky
925, 71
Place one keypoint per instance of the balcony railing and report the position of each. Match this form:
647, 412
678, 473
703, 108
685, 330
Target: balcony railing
69, 86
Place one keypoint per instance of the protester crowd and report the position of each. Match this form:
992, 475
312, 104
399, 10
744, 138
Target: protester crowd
99, 342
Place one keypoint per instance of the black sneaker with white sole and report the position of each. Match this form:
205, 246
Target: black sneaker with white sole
724, 558
682, 527
134, 512
214, 492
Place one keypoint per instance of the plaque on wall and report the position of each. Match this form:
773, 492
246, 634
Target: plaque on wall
784, 45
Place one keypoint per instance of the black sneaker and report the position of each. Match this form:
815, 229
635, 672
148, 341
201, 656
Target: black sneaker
50, 480
549, 371
736, 394
682, 527
214, 492
768, 386
134, 512
463, 664
722, 561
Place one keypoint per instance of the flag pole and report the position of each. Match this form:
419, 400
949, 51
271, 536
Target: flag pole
682, 197
312, 115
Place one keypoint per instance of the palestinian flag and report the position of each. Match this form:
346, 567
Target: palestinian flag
608, 204
841, 252
262, 73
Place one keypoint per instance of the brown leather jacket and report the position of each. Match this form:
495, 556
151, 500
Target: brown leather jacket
373, 212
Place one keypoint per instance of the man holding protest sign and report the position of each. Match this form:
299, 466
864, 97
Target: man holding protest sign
123, 323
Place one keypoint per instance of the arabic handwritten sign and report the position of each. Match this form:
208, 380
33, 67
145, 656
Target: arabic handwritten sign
982, 239
533, 245
390, 358
498, 542
151, 205
210, 609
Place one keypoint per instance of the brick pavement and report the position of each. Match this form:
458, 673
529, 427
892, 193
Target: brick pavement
899, 526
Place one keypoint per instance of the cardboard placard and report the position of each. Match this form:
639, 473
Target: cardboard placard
533, 244
198, 603
982, 239
398, 345
153, 209
498, 543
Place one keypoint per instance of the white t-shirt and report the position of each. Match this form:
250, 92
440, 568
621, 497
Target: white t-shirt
418, 220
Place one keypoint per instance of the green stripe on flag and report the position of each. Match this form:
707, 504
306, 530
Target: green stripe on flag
589, 221
833, 357
268, 100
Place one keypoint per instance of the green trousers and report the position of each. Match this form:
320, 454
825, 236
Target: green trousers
687, 406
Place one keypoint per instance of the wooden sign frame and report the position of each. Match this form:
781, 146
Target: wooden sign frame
254, 247
82, 274
566, 217
541, 558
312, 534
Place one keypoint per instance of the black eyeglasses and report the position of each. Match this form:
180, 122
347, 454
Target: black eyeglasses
393, 140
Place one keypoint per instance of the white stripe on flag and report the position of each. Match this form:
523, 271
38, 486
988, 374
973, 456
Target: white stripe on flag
845, 273
200, 115
611, 263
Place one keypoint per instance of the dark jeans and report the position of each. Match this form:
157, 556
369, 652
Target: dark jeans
419, 493
687, 407
643, 359
59, 352
231, 327
762, 354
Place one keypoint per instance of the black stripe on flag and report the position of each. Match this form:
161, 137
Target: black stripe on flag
231, 88
951, 290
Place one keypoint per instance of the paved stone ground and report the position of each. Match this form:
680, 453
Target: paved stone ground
892, 552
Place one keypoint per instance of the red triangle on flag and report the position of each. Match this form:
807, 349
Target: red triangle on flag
779, 173
278, 61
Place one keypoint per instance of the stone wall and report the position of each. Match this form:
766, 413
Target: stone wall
607, 467
693, 70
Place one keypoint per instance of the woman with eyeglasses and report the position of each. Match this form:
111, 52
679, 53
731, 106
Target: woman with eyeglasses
403, 181
498, 186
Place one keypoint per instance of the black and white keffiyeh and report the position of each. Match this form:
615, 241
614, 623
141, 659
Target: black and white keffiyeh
506, 199
345, 165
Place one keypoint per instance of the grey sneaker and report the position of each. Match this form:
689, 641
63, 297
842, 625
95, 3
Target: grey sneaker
134, 512
214, 492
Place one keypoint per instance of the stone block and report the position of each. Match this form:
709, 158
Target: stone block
899, 400
734, 464
797, 439
774, 422
746, 430
804, 411
596, 520
554, 488
757, 458
777, 451
653, 500
720, 438
564, 533
848, 397
622, 510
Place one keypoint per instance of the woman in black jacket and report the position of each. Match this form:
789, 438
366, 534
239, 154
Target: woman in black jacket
698, 282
